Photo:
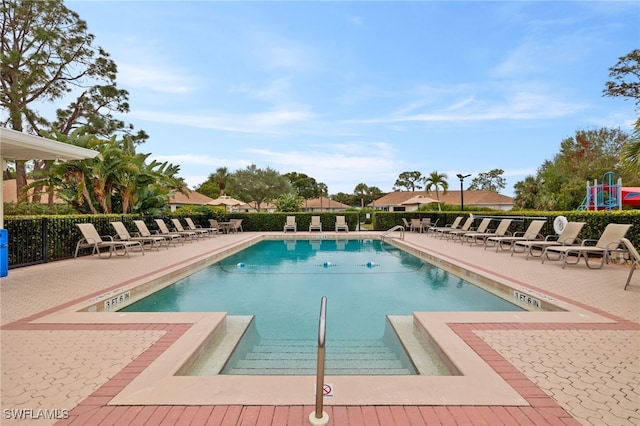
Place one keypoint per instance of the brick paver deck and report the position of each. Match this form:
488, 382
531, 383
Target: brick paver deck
67, 373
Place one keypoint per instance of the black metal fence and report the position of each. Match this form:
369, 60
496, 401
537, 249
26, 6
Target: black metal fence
45, 239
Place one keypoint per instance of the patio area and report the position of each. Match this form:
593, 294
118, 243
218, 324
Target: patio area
60, 366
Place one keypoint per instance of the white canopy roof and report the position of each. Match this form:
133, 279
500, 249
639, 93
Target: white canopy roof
16, 145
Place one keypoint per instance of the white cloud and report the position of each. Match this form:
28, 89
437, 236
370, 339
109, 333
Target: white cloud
273, 122
357, 21
150, 77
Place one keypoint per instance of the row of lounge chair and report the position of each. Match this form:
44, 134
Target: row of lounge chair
316, 224
566, 246
482, 234
143, 239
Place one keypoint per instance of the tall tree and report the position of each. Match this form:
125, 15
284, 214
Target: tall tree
46, 54
119, 180
526, 193
360, 191
323, 191
409, 180
586, 156
373, 193
216, 183
434, 181
626, 83
253, 184
305, 186
489, 181
626, 77
631, 151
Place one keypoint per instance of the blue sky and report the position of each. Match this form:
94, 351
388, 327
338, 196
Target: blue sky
351, 92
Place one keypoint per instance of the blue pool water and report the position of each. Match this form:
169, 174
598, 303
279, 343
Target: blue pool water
281, 283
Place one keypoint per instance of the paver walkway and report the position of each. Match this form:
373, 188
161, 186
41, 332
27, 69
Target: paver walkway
67, 373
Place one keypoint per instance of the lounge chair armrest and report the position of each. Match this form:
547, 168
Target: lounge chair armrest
589, 242
570, 241
517, 234
616, 245
107, 237
552, 238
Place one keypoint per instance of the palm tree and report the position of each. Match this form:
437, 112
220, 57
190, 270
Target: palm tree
361, 190
434, 181
631, 150
222, 174
323, 190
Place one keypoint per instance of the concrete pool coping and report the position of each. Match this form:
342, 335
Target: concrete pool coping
158, 384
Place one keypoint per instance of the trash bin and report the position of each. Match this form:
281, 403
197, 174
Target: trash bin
4, 252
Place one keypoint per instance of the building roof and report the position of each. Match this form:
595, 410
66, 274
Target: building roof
471, 198
190, 198
324, 202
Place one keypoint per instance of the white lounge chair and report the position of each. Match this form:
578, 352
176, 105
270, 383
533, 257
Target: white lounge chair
213, 225
466, 226
532, 233
634, 256
236, 225
568, 236
454, 225
460, 233
151, 242
93, 240
610, 239
164, 230
290, 224
177, 227
207, 232
501, 231
316, 224
143, 231
341, 224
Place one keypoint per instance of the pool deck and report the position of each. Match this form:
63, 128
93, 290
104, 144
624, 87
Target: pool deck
64, 367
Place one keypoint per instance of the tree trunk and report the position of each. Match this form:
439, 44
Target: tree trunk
21, 177
37, 191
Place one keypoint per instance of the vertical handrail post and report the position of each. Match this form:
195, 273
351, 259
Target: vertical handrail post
319, 417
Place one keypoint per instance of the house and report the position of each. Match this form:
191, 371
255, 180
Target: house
323, 204
179, 199
10, 195
393, 201
191, 198
251, 207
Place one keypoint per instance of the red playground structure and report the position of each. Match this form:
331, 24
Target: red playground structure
609, 195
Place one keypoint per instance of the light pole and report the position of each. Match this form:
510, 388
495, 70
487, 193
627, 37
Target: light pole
462, 177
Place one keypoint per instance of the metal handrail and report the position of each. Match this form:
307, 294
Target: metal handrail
400, 227
322, 331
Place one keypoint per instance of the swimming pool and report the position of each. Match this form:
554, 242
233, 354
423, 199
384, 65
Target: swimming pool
281, 282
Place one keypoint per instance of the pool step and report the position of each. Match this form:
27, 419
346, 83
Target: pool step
290, 357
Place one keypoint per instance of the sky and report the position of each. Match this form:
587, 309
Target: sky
361, 91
